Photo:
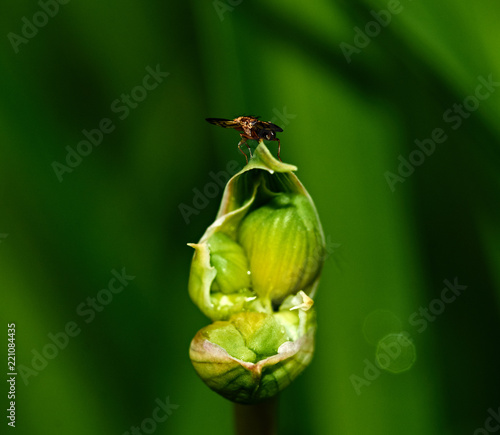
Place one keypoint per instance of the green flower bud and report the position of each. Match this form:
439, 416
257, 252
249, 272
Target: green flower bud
253, 356
283, 242
230, 262
254, 273
219, 281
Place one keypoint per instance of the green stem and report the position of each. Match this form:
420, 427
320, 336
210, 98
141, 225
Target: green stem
259, 419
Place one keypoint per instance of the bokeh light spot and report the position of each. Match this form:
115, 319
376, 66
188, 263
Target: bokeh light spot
395, 353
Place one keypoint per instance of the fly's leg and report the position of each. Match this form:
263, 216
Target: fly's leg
244, 141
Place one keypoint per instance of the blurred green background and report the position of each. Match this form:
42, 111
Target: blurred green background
352, 96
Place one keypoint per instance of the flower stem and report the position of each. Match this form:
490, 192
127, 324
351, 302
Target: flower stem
259, 419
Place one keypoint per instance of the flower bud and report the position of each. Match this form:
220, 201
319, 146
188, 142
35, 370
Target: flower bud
254, 274
230, 262
219, 282
253, 356
283, 242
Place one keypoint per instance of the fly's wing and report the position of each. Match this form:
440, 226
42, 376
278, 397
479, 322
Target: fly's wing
263, 125
272, 126
266, 130
226, 123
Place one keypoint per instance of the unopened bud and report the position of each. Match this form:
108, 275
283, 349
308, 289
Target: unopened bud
284, 245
